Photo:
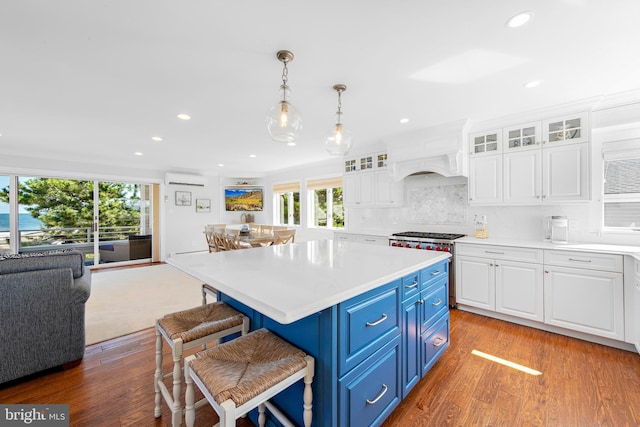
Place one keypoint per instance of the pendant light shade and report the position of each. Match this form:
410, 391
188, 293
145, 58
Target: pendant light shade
283, 120
338, 143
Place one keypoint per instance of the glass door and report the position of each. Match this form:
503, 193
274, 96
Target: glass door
123, 222
106, 221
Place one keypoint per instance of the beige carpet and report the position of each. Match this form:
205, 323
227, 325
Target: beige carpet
129, 300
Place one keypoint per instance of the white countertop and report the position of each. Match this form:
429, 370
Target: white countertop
585, 247
290, 282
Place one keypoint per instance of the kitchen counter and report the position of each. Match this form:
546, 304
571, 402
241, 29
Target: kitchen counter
290, 282
633, 251
342, 303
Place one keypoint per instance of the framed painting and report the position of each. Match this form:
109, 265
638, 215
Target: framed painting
183, 198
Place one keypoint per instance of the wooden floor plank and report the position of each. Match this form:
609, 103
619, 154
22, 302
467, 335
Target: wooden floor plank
581, 383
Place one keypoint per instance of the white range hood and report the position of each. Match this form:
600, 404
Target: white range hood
441, 149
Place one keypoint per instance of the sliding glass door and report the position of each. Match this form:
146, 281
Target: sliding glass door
106, 221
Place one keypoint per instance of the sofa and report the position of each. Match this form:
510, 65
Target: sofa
42, 303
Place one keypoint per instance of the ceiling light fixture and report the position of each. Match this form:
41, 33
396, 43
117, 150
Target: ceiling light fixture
404, 120
283, 119
183, 116
338, 142
137, 153
532, 83
520, 19
156, 138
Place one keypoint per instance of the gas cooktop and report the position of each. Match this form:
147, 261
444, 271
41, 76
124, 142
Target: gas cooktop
425, 235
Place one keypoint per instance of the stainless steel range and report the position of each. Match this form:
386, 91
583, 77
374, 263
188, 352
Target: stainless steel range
431, 242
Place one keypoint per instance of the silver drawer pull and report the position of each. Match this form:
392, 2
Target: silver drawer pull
494, 252
439, 341
579, 260
411, 286
437, 303
379, 396
377, 322
435, 273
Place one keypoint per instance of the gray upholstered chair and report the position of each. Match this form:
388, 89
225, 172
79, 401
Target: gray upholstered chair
42, 304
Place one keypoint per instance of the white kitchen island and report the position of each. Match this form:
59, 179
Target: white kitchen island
320, 295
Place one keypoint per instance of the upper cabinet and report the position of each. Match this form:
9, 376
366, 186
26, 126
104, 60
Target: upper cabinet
367, 182
566, 130
486, 143
536, 162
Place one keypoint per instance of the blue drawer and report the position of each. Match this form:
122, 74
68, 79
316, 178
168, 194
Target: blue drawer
435, 301
410, 285
435, 342
366, 323
434, 272
369, 393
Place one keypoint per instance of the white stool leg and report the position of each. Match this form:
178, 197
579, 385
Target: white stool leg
228, 415
157, 411
189, 398
176, 410
261, 418
308, 393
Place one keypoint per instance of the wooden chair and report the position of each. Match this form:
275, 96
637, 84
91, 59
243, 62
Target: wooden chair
281, 237
232, 241
266, 229
211, 233
253, 227
245, 373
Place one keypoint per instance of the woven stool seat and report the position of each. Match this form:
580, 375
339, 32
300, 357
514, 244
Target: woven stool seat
184, 330
245, 373
245, 367
197, 322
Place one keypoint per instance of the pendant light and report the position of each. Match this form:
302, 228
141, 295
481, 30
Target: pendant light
338, 142
283, 119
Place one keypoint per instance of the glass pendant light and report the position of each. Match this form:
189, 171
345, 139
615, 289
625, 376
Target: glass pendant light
283, 119
338, 142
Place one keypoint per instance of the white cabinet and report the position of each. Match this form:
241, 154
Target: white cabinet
486, 143
568, 129
538, 162
485, 180
566, 173
503, 279
584, 292
358, 189
367, 182
388, 192
636, 308
362, 238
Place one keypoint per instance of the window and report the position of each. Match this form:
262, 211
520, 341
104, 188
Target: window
621, 197
325, 201
286, 204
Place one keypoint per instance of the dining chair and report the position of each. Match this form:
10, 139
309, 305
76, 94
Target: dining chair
281, 237
253, 227
233, 242
213, 241
266, 229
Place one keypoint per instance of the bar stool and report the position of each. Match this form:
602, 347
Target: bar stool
184, 330
240, 375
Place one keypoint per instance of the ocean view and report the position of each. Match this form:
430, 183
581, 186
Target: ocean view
25, 222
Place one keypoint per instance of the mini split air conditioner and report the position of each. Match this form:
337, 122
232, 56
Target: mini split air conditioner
184, 179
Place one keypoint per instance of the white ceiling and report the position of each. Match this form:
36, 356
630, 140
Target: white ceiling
93, 81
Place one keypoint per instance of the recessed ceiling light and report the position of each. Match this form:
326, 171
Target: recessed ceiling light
221, 164
532, 83
404, 120
291, 144
253, 156
183, 116
520, 19
156, 138
137, 153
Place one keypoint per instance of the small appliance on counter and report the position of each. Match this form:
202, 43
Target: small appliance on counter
556, 229
482, 228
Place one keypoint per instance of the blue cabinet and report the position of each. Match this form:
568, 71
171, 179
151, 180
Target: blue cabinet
370, 350
425, 323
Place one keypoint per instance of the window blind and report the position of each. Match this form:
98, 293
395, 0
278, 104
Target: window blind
318, 184
290, 187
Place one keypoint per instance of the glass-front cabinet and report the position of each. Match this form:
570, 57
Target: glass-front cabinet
381, 160
484, 143
567, 129
366, 162
350, 165
522, 137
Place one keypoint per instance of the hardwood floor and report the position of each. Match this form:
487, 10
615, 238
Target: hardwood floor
581, 384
